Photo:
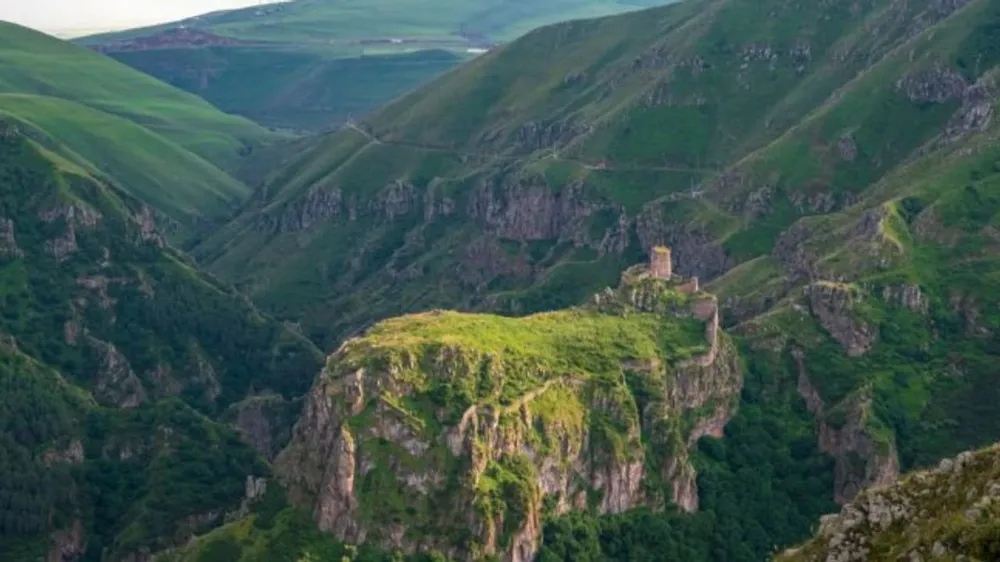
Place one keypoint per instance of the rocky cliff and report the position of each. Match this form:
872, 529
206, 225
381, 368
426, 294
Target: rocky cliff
457, 432
948, 513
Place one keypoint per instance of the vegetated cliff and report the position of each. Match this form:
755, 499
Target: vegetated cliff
947, 513
457, 432
116, 356
713, 126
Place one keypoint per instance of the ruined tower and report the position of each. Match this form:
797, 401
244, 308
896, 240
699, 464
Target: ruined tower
660, 265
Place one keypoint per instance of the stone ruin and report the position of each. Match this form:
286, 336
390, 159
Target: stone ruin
660, 263
661, 267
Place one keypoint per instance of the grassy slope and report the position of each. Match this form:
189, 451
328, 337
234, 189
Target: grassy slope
929, 225
147, 166
33, 63
825, 138
667, 96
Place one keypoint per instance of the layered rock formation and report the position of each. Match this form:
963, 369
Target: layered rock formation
450, 432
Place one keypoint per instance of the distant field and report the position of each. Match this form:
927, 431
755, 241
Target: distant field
287, 87
310, 21
308, 64
34, 63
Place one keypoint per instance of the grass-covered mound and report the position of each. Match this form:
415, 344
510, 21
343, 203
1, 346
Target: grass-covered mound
504, 420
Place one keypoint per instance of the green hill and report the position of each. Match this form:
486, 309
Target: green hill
500, 200
117, 357
172, 180
34, 63
825, 174
828, 169
309, 64
163, 146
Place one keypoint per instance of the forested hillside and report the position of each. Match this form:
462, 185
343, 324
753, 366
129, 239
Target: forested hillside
674, 284
117, 356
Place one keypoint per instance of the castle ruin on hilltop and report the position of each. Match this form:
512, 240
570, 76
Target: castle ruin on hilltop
661, 267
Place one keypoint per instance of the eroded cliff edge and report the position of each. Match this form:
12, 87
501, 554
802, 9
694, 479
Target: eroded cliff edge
457, 432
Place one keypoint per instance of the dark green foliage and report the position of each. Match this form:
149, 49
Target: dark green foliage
981, 49
764, 485
163, 313
188, 466
37, 414
909, 208
131, 478
973, 207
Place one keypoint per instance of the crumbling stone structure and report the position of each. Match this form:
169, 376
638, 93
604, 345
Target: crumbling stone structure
660, 265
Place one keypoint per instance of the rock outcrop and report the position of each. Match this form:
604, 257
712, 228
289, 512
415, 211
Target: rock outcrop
8, 242
116, 384
429, 433
834, 305
67, 545
524, 209
948, 513
263, 422
861, 459
75, 216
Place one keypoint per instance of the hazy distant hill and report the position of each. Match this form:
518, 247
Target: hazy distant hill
309, 64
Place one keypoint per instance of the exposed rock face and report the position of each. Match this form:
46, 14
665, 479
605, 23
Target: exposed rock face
936, 85
68, 545
148, 231
318, 205
695, 252
833, 304
8, 243
526, 210
76, 216
860, 460
72, 454
968, 307
116, 384
904, 521
977, 111
263, 422
535, 135
908, 296
847, 149
483, 471
485, 259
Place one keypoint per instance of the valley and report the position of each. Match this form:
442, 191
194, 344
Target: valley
309, 65
708, 281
